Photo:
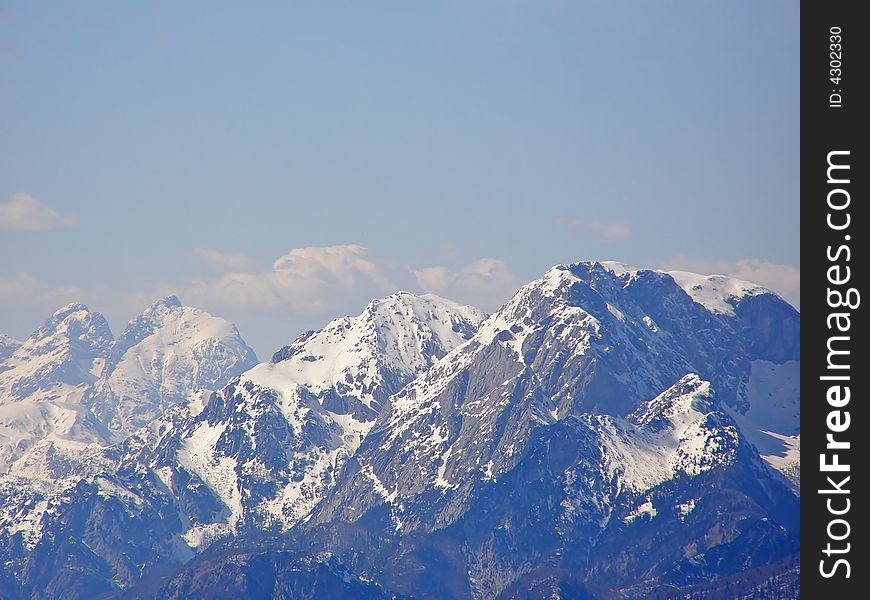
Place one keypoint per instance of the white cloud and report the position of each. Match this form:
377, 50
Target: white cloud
323, 282
608, 232
327, 281
486, 282
305, 280
22, 212
785, 280
331, 279
225, 261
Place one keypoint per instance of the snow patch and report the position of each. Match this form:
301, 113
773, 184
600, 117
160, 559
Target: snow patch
646, 510
772, 421
684, 508
716, 293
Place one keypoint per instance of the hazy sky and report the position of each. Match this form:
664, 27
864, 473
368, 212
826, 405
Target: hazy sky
282, 163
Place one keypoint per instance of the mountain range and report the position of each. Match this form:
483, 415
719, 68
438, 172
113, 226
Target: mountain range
609, 432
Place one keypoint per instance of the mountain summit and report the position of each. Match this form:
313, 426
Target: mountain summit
164, 354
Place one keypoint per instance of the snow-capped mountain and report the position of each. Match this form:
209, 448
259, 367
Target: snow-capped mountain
43, 381
639, 370
163, 355
70, 383
609, 430
270, 444
584, 339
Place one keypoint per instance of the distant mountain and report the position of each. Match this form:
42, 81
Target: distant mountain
608, 432
162, 356
43, 381
71, 384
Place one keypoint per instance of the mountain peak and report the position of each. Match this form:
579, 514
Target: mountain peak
171, 301
388, 324
413, 300
165, 353
42, 381
152, 316
149, 320
72, 307
72, 311
75, 322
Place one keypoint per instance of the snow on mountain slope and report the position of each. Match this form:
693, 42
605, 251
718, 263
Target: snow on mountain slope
686, 425
164, 354
42, 384
270, 444
717, 293
364, 357
44, 478
773, 419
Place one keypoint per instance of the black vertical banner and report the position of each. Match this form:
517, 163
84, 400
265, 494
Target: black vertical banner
835, 384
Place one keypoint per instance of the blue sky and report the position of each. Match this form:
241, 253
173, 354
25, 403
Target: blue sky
283, 163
